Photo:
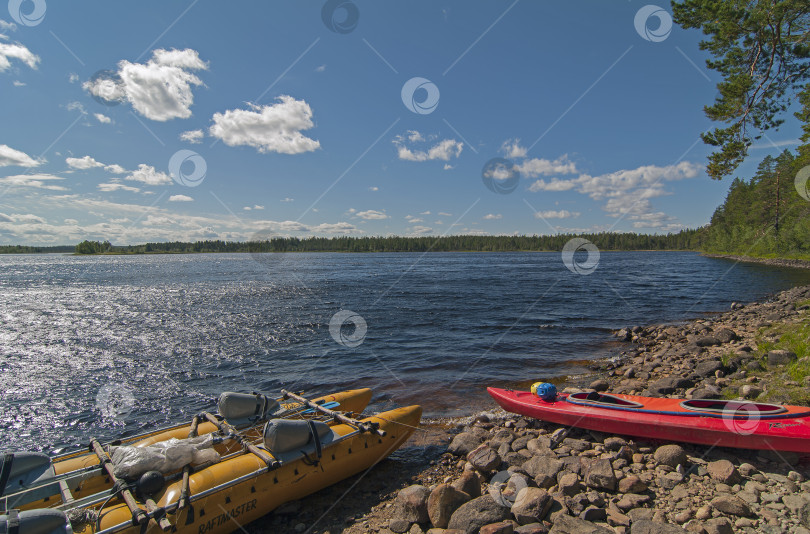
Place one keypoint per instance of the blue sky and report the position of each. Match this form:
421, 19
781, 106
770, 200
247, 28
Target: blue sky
151, 121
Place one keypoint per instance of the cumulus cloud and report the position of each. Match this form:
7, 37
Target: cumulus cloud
532, 168
102, 118
18, 83
444, 150
256, 207
114, 186
9, 51
272, 128
7, 26
194, 137
148, 175
413, 219
35, 181
10, 156
627, 192
180, 198
84, 163
555, 184
419, 230
511, 149
553, 214
492, 216
115, 169
370, 215
160, 89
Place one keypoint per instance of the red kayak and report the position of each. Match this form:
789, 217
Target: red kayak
722, 423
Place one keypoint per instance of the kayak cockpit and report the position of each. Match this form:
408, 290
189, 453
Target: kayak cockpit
732, 408
602, 399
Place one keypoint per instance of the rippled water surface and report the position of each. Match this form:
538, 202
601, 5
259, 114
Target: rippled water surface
100, 346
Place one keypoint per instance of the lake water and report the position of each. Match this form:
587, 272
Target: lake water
100, 346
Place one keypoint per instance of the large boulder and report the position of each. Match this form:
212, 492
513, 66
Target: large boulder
412, 502
708, 368
780, 357
484, 458
464, 443
442, 502
470, 483
543, 469
724, 471
598, 474
732, 505
565, 524
651, 527
670, 455
531, 505
473, 515
726, 335
669, 384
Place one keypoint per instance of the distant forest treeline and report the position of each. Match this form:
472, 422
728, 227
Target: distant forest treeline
684, 240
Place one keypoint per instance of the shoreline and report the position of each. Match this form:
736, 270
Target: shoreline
707, 490
776, 262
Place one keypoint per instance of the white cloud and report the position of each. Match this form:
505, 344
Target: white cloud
492, 217
180, 198
76, 106
115, 169
160, 89
36, 181
373, 188
370, 215
9, 51
71, 221
620, 182
273, 128
444, 150
448, 167
194, 137
419, 230
511, 149
553, 214
83, 163
10, 156
102, 118
73, 77
287, 199
555, 185
109, 187
426, 213
18, 83
10, 26
534, 167
443, 214
256, 207
149, 176
413, 219
320, 68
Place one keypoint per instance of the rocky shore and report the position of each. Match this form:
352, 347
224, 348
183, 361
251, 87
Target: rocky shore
501, 473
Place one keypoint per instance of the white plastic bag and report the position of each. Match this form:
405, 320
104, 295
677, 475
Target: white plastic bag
165, 456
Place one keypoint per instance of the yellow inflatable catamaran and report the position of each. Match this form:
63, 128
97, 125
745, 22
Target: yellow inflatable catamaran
209, 477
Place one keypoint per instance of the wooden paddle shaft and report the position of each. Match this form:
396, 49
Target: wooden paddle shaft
138, 515
363, 427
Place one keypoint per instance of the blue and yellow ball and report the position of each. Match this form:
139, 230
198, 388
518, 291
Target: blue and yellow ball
544, 390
